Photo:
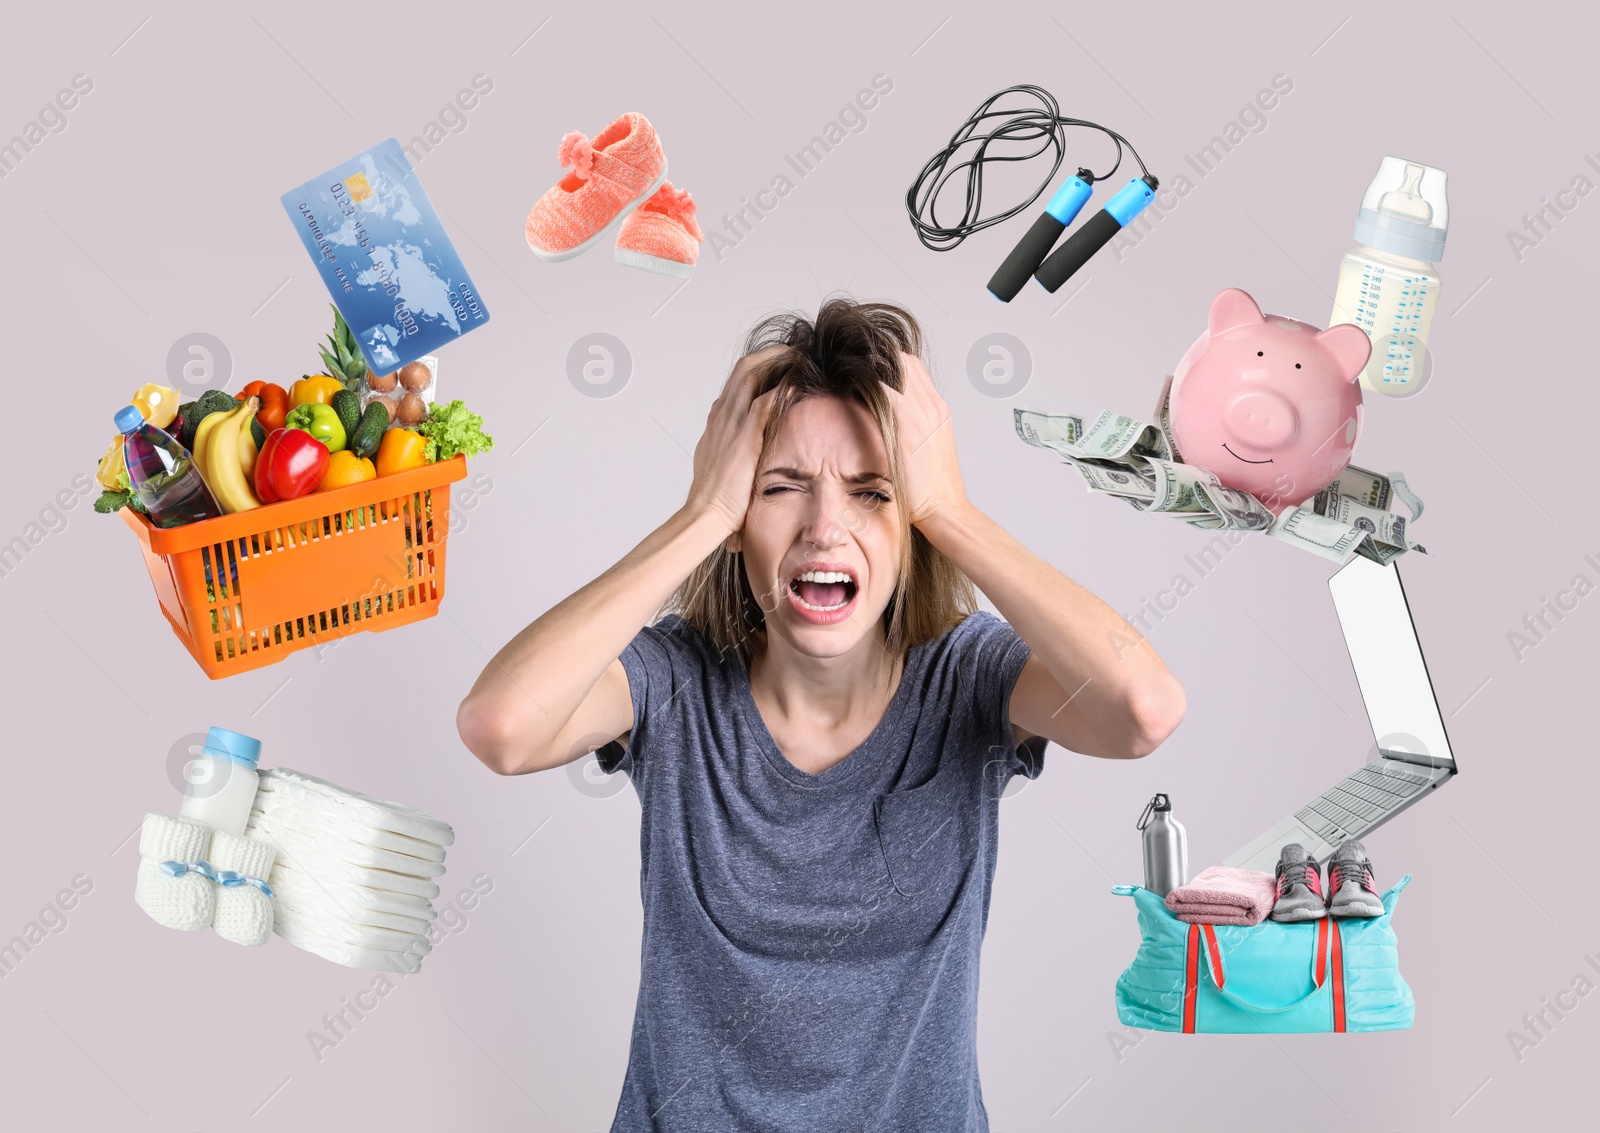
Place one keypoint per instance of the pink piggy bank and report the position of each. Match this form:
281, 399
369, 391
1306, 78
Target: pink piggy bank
1270, 405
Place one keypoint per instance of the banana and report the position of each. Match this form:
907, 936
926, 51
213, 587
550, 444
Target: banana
206, 450
202, 444
247, 450
209, 449
228, 482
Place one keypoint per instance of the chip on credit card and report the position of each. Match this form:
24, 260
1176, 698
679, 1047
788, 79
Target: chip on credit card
385, 257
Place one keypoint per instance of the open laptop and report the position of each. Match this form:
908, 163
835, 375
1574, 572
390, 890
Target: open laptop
1414, 757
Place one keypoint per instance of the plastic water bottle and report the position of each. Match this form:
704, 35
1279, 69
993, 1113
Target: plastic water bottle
162, 473
1166, 847
1388, 283
220, 787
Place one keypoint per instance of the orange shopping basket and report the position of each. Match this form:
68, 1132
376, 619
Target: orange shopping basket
248, 589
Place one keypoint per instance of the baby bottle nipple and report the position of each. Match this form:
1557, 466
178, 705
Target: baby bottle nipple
1407, 201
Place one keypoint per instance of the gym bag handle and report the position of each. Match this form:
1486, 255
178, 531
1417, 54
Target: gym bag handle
1328, 958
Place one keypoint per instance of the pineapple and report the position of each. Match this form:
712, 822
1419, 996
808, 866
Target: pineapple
342, 356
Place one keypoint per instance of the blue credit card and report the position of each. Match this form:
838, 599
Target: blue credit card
390, 267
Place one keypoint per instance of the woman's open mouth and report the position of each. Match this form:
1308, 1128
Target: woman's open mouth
823, 597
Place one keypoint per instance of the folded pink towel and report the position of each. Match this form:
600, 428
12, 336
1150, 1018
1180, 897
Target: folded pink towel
1224, 895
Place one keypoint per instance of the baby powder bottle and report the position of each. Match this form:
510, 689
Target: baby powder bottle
220, 786
1388, 283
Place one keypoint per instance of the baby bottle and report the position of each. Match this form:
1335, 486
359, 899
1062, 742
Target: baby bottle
220, 786
1388, 283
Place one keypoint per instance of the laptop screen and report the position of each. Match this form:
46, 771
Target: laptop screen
1387, 657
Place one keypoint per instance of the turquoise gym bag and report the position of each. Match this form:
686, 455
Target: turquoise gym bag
1270, 978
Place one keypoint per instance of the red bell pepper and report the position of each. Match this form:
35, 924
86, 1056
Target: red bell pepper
290, 465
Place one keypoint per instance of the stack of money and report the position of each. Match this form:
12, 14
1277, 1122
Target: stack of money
1139, 463
1352, 514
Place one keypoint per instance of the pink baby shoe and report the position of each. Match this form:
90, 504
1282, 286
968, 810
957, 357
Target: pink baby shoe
607, 179
661, 235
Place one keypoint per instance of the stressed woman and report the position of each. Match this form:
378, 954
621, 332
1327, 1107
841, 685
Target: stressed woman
819, 731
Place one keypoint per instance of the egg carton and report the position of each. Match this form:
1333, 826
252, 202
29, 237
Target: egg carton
397, 393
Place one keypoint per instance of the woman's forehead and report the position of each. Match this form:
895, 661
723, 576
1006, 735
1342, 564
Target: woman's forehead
829, 421
829, 435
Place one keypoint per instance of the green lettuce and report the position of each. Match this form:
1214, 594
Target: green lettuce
452, 429
123, 495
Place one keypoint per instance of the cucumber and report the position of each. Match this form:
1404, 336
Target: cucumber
348, 406
369, 431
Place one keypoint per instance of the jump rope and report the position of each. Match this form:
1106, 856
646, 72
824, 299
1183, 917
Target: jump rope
1002, 128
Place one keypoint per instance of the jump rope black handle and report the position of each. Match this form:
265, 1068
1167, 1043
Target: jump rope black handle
1035, 246
1099, 231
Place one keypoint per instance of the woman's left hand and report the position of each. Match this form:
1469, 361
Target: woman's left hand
927, 443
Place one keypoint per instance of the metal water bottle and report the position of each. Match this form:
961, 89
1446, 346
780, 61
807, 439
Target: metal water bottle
1166, 847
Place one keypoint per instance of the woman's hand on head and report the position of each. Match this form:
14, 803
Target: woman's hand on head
725, 458
927, 443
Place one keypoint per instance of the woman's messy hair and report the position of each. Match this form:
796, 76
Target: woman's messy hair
849, 351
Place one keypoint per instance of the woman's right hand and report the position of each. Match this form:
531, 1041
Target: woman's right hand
725, 459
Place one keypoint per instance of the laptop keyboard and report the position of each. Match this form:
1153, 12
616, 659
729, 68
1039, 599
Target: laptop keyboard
1361, 799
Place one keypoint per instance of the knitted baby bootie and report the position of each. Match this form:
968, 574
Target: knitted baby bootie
608, 177
244, 899
662, 234
174, 884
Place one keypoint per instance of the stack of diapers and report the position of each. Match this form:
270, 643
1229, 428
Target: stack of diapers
354, 877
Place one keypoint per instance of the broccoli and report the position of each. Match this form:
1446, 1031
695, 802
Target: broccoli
193, 412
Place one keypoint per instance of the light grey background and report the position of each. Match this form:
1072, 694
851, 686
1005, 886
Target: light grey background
154, 214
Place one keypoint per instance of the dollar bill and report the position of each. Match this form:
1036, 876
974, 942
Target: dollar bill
1048, 430
1370, 488
1352, 528
1177, 487
1139, 463
1124, 457
1385, 528
1412, 501
1116, 481
1318, 534
1115, 436
1164, 420
1241, 510
1373, 489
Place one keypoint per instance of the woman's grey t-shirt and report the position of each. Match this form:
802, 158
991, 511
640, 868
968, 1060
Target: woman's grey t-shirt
810, 955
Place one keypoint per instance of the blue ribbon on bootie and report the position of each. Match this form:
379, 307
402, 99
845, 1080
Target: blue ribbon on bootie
228, 878
178, 869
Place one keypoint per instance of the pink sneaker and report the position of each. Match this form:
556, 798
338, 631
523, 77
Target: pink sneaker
662, 235
607, 179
